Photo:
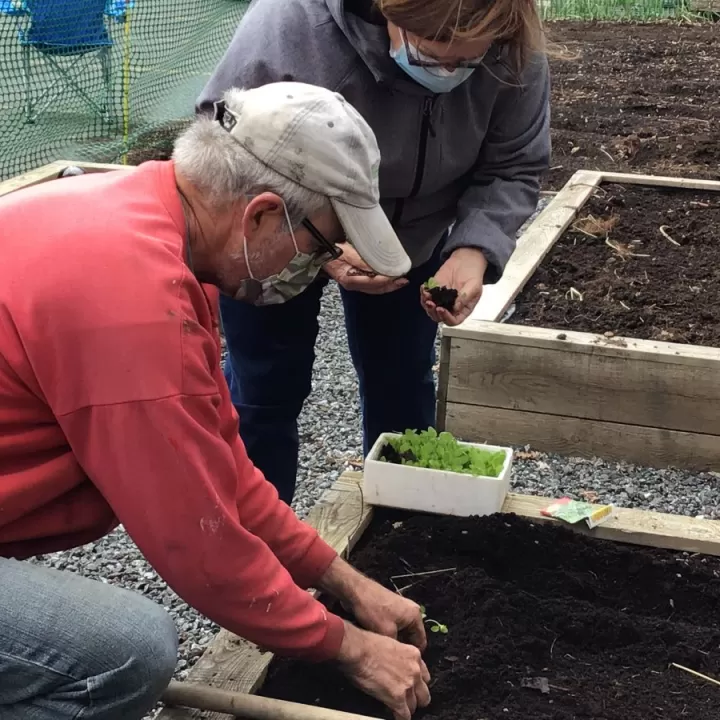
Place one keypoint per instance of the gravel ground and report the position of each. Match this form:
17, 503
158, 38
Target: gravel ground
331, 441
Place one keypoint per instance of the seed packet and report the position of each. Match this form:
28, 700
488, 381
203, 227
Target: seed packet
574, 511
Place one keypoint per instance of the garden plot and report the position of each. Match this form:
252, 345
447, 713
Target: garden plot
612, 342
639, 262
534, 621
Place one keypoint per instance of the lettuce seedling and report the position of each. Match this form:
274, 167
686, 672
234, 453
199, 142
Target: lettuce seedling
435, 626
442, 296
428, 449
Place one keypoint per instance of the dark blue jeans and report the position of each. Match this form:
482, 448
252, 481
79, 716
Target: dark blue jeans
272, 350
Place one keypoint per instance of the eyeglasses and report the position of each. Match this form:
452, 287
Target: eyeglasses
419, 59
327, 251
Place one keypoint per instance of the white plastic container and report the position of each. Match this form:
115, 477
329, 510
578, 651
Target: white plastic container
435, 491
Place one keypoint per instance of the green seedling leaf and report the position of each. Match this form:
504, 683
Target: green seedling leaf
430, 283
428, 449
437, 627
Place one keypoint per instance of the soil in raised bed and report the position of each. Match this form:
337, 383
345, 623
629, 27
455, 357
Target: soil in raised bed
638, 262
599, 621
638, 98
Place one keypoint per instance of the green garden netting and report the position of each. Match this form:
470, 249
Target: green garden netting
92, 79
114, 80
618, 10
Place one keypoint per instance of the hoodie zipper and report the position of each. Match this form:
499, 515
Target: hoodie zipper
426, 129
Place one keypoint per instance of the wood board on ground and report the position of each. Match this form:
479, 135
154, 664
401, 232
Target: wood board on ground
599, 393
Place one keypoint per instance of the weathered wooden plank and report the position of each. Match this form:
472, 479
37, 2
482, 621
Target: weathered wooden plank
51, 171
33, 177
532, 247
579, 437
637, 527
660, 181
618, 387
443, 383
231, 663
590, 343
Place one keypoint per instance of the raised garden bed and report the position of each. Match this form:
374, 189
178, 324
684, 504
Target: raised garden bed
625, 363
636, 97
542, 623
639, 262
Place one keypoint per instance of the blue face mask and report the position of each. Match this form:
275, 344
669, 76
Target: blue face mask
436, 79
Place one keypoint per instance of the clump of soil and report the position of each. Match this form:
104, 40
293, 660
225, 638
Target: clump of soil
533, 608
635, 98
390, 454
639, 262
443, 297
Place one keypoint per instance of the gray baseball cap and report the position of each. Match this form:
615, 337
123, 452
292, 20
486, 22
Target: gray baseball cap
315, 138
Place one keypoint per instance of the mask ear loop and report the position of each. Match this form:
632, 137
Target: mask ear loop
292, 235
290, 227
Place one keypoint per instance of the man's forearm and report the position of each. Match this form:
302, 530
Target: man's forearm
342, 581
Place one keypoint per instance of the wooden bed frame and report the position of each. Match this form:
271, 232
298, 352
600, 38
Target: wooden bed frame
573, 393
341, 517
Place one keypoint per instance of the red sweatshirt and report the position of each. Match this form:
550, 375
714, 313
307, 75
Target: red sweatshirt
113, 408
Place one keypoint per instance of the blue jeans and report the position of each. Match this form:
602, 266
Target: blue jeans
72, 648
271, 354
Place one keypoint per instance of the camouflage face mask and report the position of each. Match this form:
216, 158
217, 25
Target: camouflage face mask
296, 277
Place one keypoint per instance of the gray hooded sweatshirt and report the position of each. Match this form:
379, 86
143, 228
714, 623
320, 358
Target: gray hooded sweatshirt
470, 158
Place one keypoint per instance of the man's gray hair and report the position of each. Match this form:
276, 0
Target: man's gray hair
222, 170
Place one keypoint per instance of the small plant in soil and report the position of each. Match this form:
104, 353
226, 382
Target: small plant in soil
428, 449
435, 626
443, 297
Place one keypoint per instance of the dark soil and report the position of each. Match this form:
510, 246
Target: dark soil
640, 98
632, 98
615, 272
390, 454
599, 620
157, 144
444, 297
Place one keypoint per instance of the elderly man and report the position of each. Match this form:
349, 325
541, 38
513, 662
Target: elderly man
114, 409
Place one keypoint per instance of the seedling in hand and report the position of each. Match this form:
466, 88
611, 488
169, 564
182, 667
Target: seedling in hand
441, 296
435, 626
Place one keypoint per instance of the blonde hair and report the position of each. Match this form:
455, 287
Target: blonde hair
514, 23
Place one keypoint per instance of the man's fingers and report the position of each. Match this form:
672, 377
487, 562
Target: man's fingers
422, 694
411, 700
415, 633
400, 710
425, 671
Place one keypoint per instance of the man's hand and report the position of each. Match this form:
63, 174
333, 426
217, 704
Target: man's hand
390, 671
464, 271
352, 273
376, 608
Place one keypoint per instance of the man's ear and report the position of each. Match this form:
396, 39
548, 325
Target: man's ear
263, 215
